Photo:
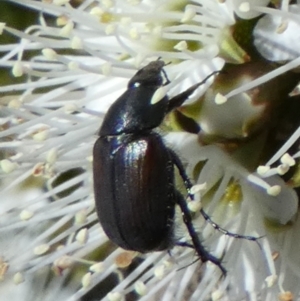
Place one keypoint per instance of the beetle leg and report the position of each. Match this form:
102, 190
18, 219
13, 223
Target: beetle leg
166, 76
187, 218
179, 99
188, 185
187, 182
184, 244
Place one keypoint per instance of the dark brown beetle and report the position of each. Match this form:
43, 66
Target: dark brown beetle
134, 184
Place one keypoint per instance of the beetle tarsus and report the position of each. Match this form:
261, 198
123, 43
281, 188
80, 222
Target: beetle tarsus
224, 231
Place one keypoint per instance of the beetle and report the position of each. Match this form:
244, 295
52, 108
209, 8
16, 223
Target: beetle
134, 186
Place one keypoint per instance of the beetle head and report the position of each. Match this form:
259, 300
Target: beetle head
133, 112
150, 75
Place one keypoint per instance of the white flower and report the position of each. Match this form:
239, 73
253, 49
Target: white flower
277, 34
73, 70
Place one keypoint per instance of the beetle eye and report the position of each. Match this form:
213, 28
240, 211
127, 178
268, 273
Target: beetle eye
134, 84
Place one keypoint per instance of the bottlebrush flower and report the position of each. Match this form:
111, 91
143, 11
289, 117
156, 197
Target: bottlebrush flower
70, 67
